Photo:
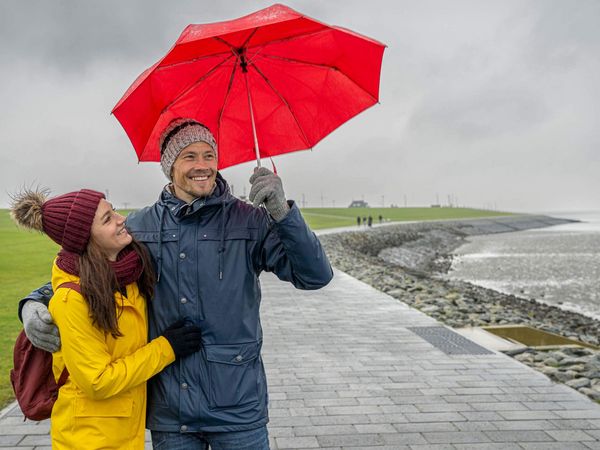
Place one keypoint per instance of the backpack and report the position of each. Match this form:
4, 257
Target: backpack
32, 377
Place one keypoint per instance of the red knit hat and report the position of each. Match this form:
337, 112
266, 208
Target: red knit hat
66, 219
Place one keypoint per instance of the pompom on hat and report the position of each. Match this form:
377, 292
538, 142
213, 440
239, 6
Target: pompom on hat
66, 219
178, 135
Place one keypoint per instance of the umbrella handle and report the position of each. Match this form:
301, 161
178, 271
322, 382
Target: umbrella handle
256, 148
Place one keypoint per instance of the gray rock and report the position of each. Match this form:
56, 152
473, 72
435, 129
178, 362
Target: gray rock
551, 362
577, 383
592, 393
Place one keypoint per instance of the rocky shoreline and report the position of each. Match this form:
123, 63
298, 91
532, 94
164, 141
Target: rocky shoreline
408, 262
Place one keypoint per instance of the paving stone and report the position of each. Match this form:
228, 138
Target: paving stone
475, 426
483, 398
378, 401
519, 436
443, 407
10, 440
325, 430
387, 418
554, 446
498, 406
524, 425
453, 437
488, 446
404, 439
530, 415
375, 428
432, 447
316, 402
435, 417
281, 431
289, 421
361, 409
36, 440
398, 409
424, 427
340, 420
356, 440
379, 447
595, 433
570, 435
549, 406
296, 442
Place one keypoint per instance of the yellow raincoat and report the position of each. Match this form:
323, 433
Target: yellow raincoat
103, 403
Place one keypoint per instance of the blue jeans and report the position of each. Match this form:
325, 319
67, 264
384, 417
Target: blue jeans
257, 439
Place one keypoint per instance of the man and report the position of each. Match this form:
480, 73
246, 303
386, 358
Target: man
209, 249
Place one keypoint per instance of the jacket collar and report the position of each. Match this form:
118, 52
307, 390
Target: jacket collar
220, 195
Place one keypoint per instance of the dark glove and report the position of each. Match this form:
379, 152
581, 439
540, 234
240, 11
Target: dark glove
268, 189
184, 339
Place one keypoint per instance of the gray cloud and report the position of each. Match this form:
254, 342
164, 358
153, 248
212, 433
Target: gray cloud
486, 102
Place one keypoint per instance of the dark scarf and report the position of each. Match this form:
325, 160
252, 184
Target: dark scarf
128, 266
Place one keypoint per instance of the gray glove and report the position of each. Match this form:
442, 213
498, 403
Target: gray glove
267, 189
39, 327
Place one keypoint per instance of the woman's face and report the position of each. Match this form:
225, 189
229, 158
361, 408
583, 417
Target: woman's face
108, 230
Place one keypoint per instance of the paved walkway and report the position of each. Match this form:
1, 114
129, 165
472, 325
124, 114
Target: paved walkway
347, 370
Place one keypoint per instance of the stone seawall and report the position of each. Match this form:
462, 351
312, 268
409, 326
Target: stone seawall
407, 260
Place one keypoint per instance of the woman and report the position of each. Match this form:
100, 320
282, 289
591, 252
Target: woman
103, 327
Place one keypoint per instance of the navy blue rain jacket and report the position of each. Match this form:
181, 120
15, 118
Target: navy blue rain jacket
208, 256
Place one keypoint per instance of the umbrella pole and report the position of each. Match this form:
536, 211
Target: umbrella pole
256, 149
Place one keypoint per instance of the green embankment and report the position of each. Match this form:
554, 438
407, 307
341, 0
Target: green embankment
26, 257
342, 217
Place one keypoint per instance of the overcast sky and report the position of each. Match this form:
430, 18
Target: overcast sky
485, 103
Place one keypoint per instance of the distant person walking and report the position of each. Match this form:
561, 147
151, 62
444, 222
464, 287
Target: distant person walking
380, 219
358, 221
370, 221
364, 220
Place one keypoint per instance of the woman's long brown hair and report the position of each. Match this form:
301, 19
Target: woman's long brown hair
99, 284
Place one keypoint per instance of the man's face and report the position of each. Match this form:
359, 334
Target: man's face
194, 172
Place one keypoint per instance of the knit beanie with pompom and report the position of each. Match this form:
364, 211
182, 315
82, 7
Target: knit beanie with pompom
66, 219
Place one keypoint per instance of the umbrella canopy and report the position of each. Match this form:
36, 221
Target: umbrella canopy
272, 82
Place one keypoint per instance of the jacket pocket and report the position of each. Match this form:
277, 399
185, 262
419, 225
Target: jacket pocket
155, 236
118, 406
233, 373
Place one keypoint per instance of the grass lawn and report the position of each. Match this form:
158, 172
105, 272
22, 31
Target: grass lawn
26, 258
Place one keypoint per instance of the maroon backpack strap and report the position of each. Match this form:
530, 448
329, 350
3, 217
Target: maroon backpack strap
63, 377
77, 288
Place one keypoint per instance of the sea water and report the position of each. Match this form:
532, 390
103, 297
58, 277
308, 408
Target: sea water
559, 265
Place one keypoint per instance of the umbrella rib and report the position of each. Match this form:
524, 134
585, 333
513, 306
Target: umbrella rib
225, 100
196, 83
284, 101
187, 61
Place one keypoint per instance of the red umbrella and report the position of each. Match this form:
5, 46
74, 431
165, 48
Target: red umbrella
272, 82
